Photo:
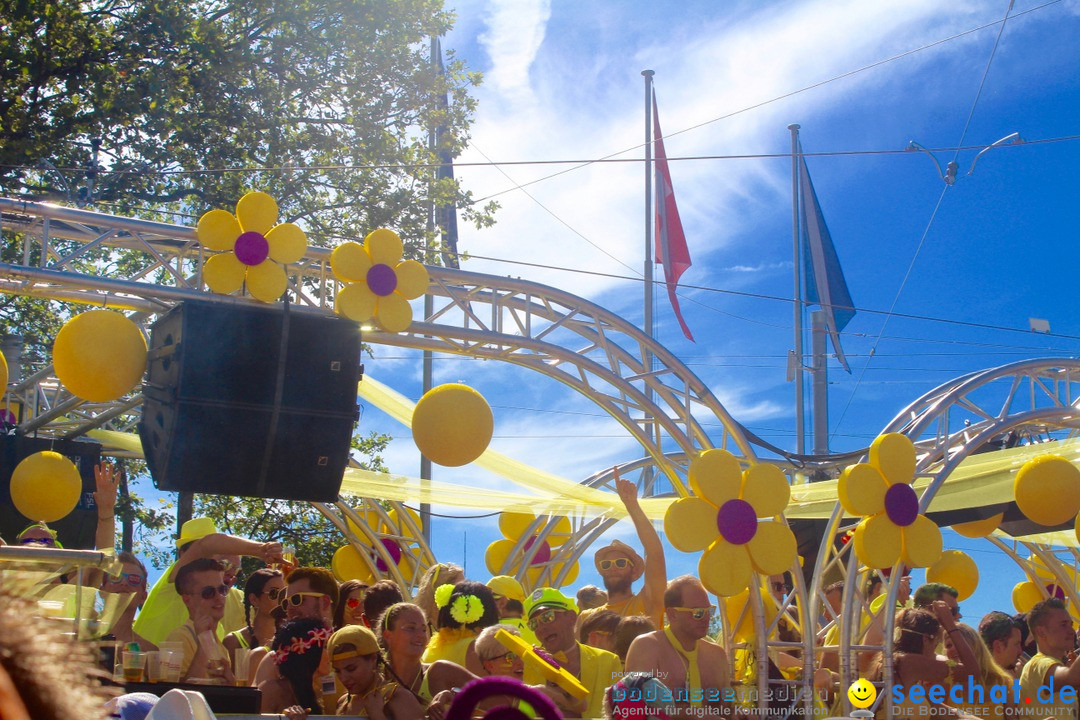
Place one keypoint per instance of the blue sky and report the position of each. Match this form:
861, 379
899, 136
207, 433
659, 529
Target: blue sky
562, 81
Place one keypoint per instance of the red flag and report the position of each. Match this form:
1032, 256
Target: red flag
671, 250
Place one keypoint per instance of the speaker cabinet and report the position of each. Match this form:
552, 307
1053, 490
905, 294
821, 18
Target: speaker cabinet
76, 530
250, 401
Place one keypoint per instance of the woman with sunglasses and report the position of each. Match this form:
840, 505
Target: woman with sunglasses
403, 634
350, 607
262, 593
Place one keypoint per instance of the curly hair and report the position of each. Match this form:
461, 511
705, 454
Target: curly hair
56, 678
299, 668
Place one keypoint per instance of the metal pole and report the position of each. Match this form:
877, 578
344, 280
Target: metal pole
820, 393
800, 429
429, 308
650, 427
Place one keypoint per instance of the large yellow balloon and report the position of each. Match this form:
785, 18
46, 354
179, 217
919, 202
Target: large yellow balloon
452, 424
1025, 595
99, 355
45, 486
347, 564
1047, 490
979, 528
956, 569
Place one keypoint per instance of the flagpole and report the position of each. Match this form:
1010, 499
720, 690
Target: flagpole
647, 476
800, 429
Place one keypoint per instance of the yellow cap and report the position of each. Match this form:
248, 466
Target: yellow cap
508, 587
361, 639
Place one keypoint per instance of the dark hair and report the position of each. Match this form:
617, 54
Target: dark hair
254, 586
320, 579
184, 574
380, 596
513, 605
872, 580
299, 668
912, 625
1038, 614
995, 626
478, 590
928, 593
347, 588
598, 621
628, 629
1026, 641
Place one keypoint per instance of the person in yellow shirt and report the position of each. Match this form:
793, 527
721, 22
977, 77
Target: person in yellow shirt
1050, 679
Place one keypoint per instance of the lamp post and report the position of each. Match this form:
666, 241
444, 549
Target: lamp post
951, 168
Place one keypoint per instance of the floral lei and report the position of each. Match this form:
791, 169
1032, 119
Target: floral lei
299, 645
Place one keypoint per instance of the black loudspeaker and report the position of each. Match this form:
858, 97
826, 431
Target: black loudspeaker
76, 530
250, 401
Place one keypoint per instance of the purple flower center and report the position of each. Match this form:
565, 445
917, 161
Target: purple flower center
251, 248
543, 553
393, 549
901, 504
381, 279
737, 521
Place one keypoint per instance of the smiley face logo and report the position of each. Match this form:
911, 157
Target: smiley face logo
862, 693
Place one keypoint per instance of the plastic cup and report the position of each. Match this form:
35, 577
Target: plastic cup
133, 664
241, 665
153, 666
171, 656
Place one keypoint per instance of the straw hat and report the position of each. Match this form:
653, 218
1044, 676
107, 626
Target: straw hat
618, 548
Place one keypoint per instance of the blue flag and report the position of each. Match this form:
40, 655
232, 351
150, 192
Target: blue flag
824, 280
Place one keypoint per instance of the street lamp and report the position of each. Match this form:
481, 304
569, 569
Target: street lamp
949, 175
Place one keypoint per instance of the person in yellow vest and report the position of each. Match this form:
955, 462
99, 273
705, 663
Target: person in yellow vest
1051, 678
693, 668
620, 566
552, 617
164, 611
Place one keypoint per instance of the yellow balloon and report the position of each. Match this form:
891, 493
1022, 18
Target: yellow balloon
223, 273
218, 230
412, 279
956, 569
452, 424
355, 302
45, 486
287, 242
393, 313
347, 564
257, 212
384, 246
894, 455
99, 355
1047, 490
267, 281
1025, 595
979, 528
350, 262
496, 555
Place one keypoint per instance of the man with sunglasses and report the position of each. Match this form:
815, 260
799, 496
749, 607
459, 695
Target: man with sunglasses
620, 566
201, 586
552, 616
694, 669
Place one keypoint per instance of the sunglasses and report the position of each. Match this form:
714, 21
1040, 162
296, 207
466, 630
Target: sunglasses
779, 587
297, 599
617, 562
47, 541
542, 619
274, 593
133, 579
210, 591
956, 612
507, 658
698, 612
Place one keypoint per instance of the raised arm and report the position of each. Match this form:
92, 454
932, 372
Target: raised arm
221, 544
655, 565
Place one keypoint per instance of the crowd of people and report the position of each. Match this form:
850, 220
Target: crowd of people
316, 646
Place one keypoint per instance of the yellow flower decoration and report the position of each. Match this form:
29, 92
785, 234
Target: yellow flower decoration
253, 248
467, 609
513, 525
379, 284
722, 518
880, 490
442, 595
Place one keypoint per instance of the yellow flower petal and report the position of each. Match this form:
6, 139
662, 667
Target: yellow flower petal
690, 524
384, 246
716, 476
355, 302
218, 230
257, 212
725, 569
515, 524
288, 243
766, 488
497, 554
267, 281
560, 533
979, 528
862, 489
894, 455
921, 542
878, 542
393, 313
350, 262
223, 273
412, 279
773, 548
